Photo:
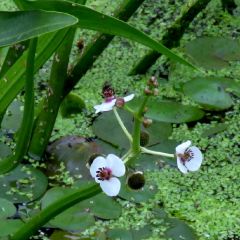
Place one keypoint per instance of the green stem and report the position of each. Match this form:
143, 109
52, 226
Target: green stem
47, 117
54, 209
122, 125
137, 130
145, 150
28, 114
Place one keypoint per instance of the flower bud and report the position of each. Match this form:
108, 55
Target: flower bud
147, 91
155, 91
147, 122
119, 102
136, 180
144, 138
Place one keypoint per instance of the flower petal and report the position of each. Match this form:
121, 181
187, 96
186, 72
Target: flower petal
98, 162
128, 98
111, 187
195, 163
180, 149
105, 106
116, 165
181, 166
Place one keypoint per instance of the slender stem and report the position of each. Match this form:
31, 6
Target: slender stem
54, 209
137, 126
122, 125
145, 150
28, 114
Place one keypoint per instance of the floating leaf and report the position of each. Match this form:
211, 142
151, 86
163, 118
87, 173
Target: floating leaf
108, 129
147, 192
210, 93
74, 152
9, 226
213, 52
57, 234
149, 162
7, 209
171, 112
212, 131
19, 26
175, 228
72, 104
5, 151
80, 216
158, 132
23, 184
13, 117
123, 234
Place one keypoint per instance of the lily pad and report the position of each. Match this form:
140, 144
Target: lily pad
175, 228
100, 205
72, 104
58, 234
123, 234
213, 52
13, 117
107, 128
23, 184
147, 192
158, 132
7, 208
74, 152
9, 226
212, 131
149, 162
211, 93
5, 151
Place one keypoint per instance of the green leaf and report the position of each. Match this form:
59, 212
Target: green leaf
23, 184
107, 128
171, 112
210, 92
9, 226
142, 195
19, 26
212, 131
213, 52
13, 81
97, 21
72, 104
13, 117
5, 151
7, 208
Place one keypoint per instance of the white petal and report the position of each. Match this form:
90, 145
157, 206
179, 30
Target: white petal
181, 166
128, 98
111, 187
98, 162
195, 163
116, 165
180, 149
105, 106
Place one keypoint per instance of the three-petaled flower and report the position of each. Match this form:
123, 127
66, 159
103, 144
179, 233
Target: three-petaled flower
110, 103
106, 170
188, 158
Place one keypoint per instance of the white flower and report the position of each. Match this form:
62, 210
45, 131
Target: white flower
105, 171
110, 103
188, 158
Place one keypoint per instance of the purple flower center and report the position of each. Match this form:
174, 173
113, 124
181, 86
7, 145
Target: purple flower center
187, 156
104, 173
108, 93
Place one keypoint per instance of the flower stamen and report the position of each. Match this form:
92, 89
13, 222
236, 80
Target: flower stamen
104, 173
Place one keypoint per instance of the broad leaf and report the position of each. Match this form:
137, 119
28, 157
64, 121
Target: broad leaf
213, 52
23, 184
97, 21
19, 26
9, 226
7, 208
13, 81
211, 93
166, 111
